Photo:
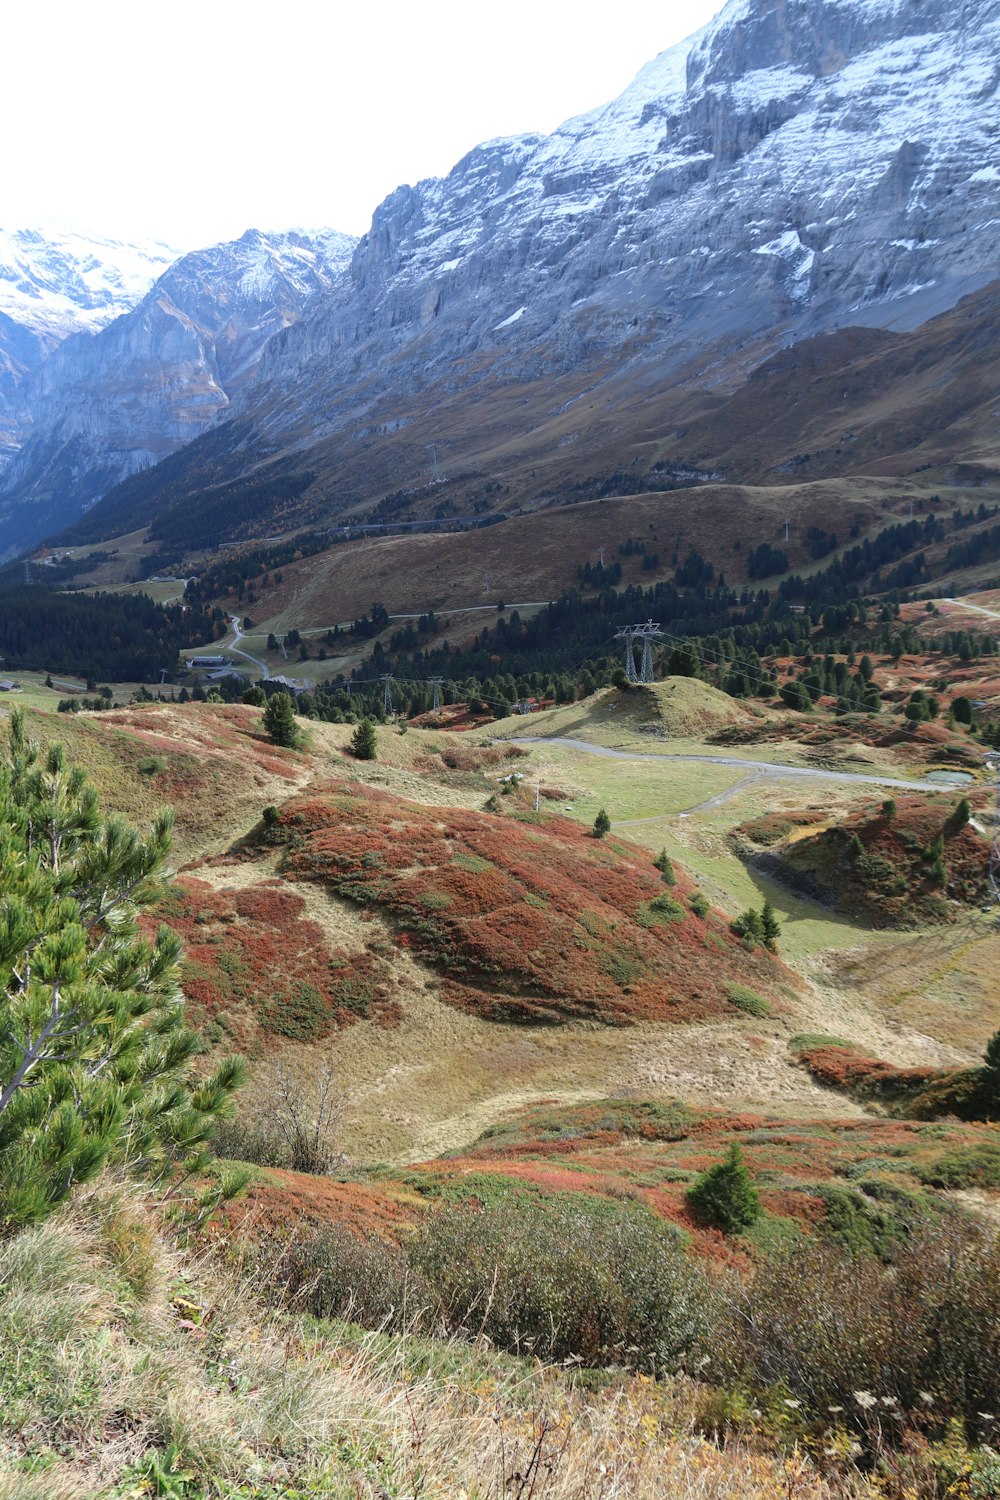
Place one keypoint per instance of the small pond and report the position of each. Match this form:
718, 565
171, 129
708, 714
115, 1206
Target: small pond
950, 778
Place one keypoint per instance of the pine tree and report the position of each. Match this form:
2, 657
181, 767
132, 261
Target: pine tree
959, 816
602, 824
279, 720
665, 866
363, 742
725, 1196
769, 926
94, 1053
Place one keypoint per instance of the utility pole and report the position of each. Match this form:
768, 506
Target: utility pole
486, 583
387, 698
600, 553
787, 525
538, 793
435, 683
436, 475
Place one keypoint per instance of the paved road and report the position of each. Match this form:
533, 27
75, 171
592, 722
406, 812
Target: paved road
234, 620
763, 768
979, 608
445, 612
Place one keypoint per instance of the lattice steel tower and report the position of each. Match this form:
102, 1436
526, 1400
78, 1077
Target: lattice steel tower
993, 766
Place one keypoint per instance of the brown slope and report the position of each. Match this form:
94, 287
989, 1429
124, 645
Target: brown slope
856, 402
866, 401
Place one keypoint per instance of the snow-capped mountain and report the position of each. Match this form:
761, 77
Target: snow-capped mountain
796, 167
53, 284
105, 406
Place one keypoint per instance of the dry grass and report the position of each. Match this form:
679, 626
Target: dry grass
185, 1371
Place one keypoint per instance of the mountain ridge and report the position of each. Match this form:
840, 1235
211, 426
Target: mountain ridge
788, 171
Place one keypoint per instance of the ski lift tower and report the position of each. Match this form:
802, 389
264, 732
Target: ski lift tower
628, 635
648, 633
993, 766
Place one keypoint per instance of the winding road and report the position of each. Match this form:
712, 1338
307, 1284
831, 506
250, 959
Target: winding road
762, 770
234, 621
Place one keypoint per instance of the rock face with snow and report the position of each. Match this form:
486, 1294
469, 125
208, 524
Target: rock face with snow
107, 406
53, 285
798, 165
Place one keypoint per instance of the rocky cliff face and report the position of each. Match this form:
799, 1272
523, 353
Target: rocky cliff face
797, 167
53, 285
107, 406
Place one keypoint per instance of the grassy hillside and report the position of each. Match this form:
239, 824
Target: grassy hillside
910, 862
524, 916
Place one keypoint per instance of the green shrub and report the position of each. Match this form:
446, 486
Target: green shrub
666, 909
699, 904
566, 1278
855, 1225
333, 1273
968, 1167
725, 1197
151, 765
602, 824
300, 1013
664, 864
823, 1325
748, 1000
874, 867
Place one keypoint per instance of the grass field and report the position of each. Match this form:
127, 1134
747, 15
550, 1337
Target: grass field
438, 1076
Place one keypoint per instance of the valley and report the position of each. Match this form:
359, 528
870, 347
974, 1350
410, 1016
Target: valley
500, 799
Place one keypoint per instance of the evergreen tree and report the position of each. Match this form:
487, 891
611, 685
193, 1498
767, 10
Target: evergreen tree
959, 816
665, 866
749, 926
602, 824
255, 696
279, 720
725, 1196
94, 1054
769, 926
363, 742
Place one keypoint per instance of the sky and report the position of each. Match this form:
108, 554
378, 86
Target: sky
191, 122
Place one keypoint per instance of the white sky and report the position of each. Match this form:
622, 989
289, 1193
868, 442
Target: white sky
191, 121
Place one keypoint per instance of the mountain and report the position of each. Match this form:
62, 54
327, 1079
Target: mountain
107, 406
567, 306
55, 284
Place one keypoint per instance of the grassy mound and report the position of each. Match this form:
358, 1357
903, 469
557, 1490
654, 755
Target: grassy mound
256, 967
912, 1093
525, 916
906, 864
859, 1182
210, 762
687, 708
